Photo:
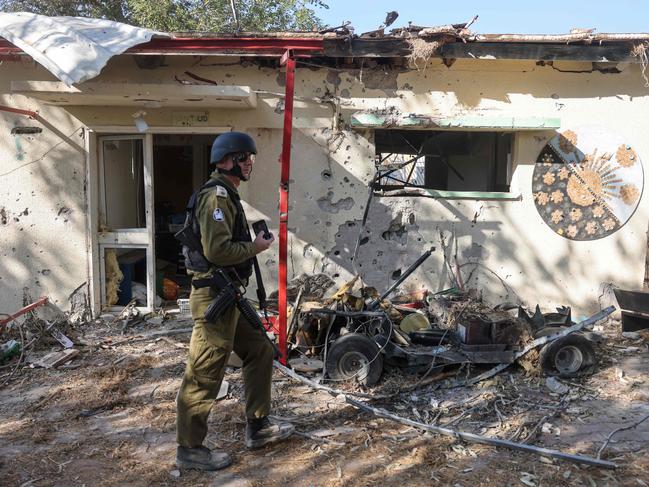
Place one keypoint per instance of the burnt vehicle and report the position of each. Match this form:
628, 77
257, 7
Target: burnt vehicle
357, 336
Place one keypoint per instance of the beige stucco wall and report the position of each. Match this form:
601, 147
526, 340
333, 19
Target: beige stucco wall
331, 166
42, 199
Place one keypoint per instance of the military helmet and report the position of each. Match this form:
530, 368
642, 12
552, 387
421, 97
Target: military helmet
229, 143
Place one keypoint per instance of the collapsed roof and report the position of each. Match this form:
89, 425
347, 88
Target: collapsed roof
75, 49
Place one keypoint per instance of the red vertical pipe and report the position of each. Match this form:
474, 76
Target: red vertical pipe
283, 200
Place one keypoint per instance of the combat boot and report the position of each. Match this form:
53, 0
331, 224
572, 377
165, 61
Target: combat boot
261, 431
201, 458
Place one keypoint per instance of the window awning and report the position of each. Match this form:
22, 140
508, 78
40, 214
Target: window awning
374, 120
150, 95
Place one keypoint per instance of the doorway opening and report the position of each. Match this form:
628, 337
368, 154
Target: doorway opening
180, 167
144, 184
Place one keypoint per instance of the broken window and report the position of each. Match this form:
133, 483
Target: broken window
125, 275
451, 161
123, 180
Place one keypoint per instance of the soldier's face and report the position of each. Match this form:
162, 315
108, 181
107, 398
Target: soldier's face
245, 161
246, 164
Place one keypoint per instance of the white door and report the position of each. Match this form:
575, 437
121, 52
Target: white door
125, 233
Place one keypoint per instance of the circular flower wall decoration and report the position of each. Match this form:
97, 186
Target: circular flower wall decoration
587, 183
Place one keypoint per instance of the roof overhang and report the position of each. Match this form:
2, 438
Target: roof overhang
614, 50
236, 46
148, 95
226, 46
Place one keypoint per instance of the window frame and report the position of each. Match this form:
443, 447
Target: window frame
512, 195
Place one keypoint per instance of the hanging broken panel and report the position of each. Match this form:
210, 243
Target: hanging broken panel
587, 183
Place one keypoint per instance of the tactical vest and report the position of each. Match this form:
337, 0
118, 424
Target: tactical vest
195, 260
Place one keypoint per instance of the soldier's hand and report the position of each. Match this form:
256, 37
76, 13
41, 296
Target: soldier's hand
263, 243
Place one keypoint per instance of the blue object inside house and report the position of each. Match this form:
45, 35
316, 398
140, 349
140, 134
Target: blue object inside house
133, 267
125, 293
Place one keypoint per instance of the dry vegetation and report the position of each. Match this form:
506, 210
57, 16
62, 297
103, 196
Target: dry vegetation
108, 419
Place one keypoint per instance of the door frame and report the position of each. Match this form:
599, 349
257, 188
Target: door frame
95, 243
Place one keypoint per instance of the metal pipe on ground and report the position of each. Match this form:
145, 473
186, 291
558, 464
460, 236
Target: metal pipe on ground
470, 437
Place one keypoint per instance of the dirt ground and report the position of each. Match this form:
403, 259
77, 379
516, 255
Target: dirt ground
108, 418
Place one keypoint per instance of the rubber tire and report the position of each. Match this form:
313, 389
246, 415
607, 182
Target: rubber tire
353, 346
550, 351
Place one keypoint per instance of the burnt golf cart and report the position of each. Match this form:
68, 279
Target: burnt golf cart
355, 337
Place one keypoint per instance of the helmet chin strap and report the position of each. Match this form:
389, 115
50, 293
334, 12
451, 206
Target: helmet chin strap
235, 171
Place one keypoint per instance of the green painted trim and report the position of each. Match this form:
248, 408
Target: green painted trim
413, 121
474, 195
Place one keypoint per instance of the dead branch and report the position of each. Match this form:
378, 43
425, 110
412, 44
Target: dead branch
485, 440
139, 338
304, 434
614, 432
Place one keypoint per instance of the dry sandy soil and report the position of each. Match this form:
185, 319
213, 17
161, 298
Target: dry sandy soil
107, 418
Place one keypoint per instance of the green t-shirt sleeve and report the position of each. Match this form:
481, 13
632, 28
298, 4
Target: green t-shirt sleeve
216, 215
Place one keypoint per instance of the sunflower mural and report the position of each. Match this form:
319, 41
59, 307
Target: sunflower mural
587, 183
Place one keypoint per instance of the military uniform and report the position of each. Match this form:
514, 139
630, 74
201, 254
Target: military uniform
212, 343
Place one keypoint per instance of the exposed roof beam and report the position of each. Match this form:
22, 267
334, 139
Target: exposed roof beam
389, 47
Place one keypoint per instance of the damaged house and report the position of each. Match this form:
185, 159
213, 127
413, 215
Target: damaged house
519, 158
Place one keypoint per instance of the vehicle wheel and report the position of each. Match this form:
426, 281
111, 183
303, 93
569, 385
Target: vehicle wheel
568, 356
354, 356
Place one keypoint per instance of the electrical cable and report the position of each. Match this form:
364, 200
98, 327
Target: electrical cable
432, 364
42, 156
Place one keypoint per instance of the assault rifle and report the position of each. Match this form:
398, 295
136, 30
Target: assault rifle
228, 294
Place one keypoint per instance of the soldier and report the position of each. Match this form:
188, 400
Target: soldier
218, 218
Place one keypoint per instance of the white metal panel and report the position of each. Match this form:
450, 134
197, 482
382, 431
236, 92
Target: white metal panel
73, 49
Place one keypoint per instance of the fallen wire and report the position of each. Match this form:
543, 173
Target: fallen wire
532, 434
614, 432
470, 437
42, 156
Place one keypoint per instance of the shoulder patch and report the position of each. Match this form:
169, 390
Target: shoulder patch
218, 215
221, 191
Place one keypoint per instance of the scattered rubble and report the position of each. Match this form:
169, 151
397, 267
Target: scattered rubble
54, 359
111, 420
437, 408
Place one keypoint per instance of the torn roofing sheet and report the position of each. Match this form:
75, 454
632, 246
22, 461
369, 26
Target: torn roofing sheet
74, 49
